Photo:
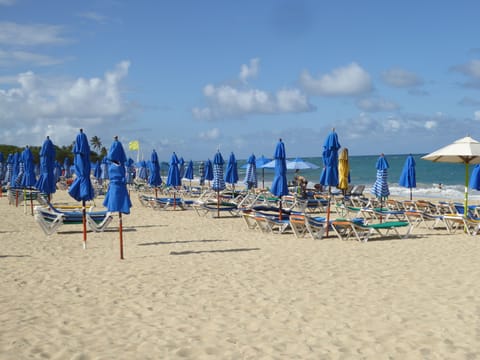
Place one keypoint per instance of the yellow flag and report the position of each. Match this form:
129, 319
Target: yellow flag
133, 145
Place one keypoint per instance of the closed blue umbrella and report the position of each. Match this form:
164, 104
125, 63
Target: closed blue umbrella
218, 180
208, 171
154, 179
173, 178
251, 173
67, 170
46, 182
130, 169
189, 171
231, 173
181, 167
57, 171
201, 172
9, 170
97, 172
279, 184
380, 187
15, 169
408, 176
475, 178
81, 188
329, 175
28, 179
104, 167
117, 198
142, 171
2, 169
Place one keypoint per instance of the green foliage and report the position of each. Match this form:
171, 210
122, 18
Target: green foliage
61, 152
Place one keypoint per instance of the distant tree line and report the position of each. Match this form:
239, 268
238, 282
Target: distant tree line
97, 151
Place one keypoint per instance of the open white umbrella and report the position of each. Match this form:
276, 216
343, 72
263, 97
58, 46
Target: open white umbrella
463, 151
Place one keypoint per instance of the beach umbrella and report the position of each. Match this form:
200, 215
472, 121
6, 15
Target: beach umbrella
279, 183
81, 188
173, 178
300, 164
67, 169
142, 170
343, 170
251, 173
189, 172
181, 168
154, 179
9, 171
408, 176
231, 172
97, 172
475, 178
130, 169
104, 168
208, 171
463, 151
201, 172
259, 163
2, 169
380, 187
28, 180
57, 171
218, 180
117, 198
46, 182
329, 175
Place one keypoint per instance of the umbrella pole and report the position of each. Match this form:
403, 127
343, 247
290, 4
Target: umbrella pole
465, 205
16, 198
410, 194
31, 201
328, 210
263, 178
24, 201
121, 234
218, 203
84, 219
280, 209
174, 198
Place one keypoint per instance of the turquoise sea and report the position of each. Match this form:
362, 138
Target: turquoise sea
363, 171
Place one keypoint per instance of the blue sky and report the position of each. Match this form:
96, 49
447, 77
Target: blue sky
195, 76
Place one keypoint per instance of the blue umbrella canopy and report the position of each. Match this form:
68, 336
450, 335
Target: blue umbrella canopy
28, 179
181, 167
251, 173
173, 178
46, 182
408, 176
15, 169
329, 175
142, 170
66, 167
57, 171
380, 187
218, 180
97, 172
130, 169
104, 167
117, 198
231, 173
189, 171
2, 167
154, 178
81, 188
201, 172
208, 170
300, 164
279, 184
475, 178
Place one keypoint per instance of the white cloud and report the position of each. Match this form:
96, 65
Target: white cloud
37, 104
476, 115
251, 71
8, 58
227, 101
211, 134
94, 16
7, 2
376, 104
401, 78
430, 124
348, 80
30, 35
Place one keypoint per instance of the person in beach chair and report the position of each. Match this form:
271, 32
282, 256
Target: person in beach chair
50, 219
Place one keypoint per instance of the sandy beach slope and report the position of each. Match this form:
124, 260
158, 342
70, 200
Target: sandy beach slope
194, 287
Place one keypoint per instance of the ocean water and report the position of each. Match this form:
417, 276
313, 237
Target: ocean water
362, 171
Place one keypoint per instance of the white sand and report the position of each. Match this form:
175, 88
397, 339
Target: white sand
203, 288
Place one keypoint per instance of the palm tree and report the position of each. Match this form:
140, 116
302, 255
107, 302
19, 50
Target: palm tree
96, 143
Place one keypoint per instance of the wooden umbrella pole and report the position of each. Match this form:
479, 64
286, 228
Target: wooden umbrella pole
218, 203
280, 209
121, 235
31, 201
84, 219
174, 199
328, 211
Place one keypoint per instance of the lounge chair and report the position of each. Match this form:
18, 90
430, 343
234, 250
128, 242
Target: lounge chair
51, 219
202, 208
271, 224
363, 232
417, 217
458, 221
298, 225
315, 227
